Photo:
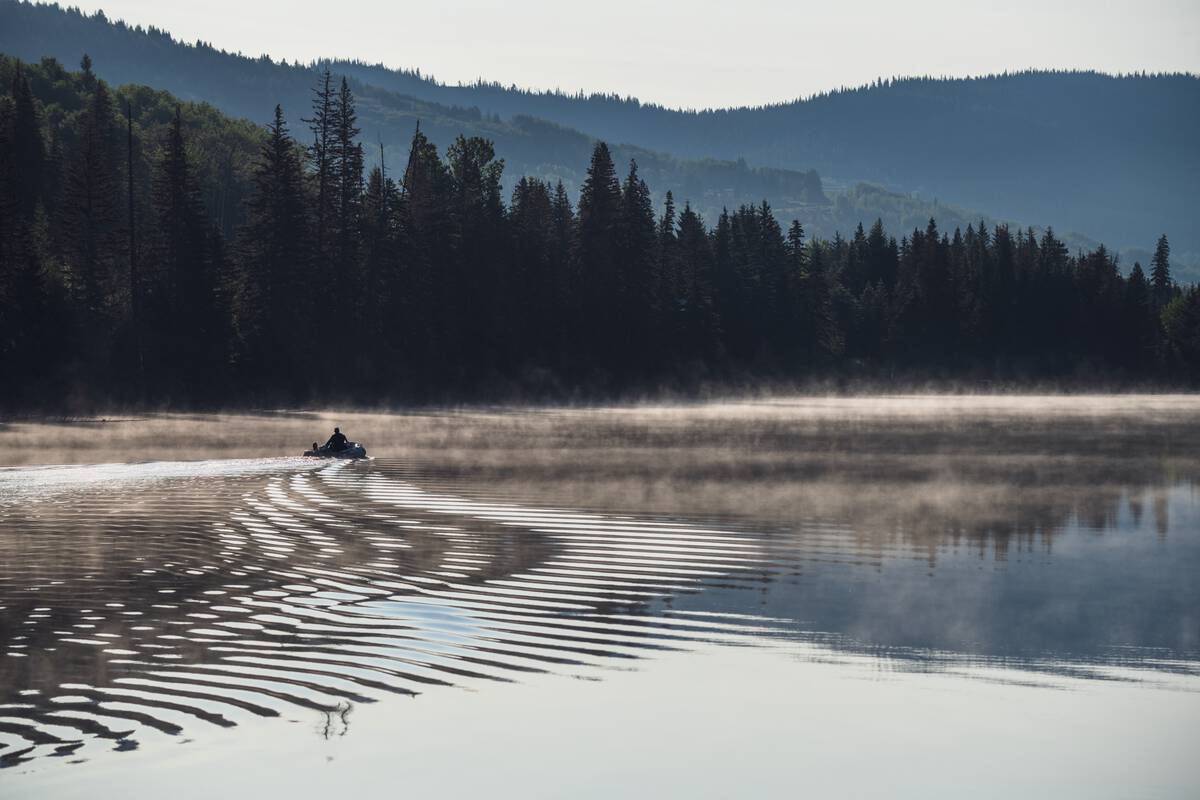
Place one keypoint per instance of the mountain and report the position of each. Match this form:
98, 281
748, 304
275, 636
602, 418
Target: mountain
251, 87
1116, 157
1100, 158
158, 251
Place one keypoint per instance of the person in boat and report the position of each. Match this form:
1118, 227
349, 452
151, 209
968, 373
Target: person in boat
337, 442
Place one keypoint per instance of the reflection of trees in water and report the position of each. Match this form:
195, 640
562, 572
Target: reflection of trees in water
1033, 521
993, 481
1162, 519
335, 721
172, 558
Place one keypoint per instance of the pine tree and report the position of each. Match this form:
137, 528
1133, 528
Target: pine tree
771, 296
1140, 328
667, 282
383, 250
346, 165
881, 256
724, 275
794, 289
275, 304
23, 296
337, 226
797, 252
737, 275
935, 292
1054, 257
87, 77
532, 280
699, 329
749, 284
323, 125
563, 266
26, 149
1160, 273
667, 242
826, 339
600, 212
91, 220
563, 242
188, 347
855, 274
1004, 290
636, 269
425, 214
478, 290
1181, 333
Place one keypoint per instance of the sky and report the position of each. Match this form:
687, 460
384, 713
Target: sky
693, 53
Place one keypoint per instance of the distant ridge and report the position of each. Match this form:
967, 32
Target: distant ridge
1111, 158
424, 82
250, 87
1111, 155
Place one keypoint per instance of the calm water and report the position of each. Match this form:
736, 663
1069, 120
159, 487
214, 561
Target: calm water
869, 598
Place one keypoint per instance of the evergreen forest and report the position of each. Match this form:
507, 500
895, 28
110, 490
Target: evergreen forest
157, 252
1100, 157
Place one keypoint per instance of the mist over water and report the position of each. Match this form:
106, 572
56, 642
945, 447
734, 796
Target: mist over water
810, 566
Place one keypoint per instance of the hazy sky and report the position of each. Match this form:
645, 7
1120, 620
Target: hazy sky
693, 53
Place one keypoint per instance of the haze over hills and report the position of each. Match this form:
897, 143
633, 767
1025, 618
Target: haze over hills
251, 87
1100, 158
1115, 156
154, 250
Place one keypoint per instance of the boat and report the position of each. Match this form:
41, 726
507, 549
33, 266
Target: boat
352, 450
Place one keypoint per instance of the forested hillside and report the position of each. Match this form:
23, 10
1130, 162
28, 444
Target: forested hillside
551, 136
250, 87
159, 252
1109, 156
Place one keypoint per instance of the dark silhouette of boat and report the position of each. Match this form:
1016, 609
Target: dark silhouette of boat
351, 450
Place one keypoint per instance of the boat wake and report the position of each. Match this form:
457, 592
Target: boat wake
139, 598
150, 599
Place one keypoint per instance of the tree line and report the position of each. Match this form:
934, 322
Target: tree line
124, 276
249, 88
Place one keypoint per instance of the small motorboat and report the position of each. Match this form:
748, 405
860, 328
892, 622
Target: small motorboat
351, 450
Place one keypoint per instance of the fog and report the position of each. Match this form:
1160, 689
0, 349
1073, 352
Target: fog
170, 572
927, 464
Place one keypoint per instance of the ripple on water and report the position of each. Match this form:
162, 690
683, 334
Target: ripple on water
150, 598
311, 589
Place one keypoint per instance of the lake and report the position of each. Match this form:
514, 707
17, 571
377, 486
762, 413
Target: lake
989, 596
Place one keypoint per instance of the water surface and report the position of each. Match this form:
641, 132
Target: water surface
865, 597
